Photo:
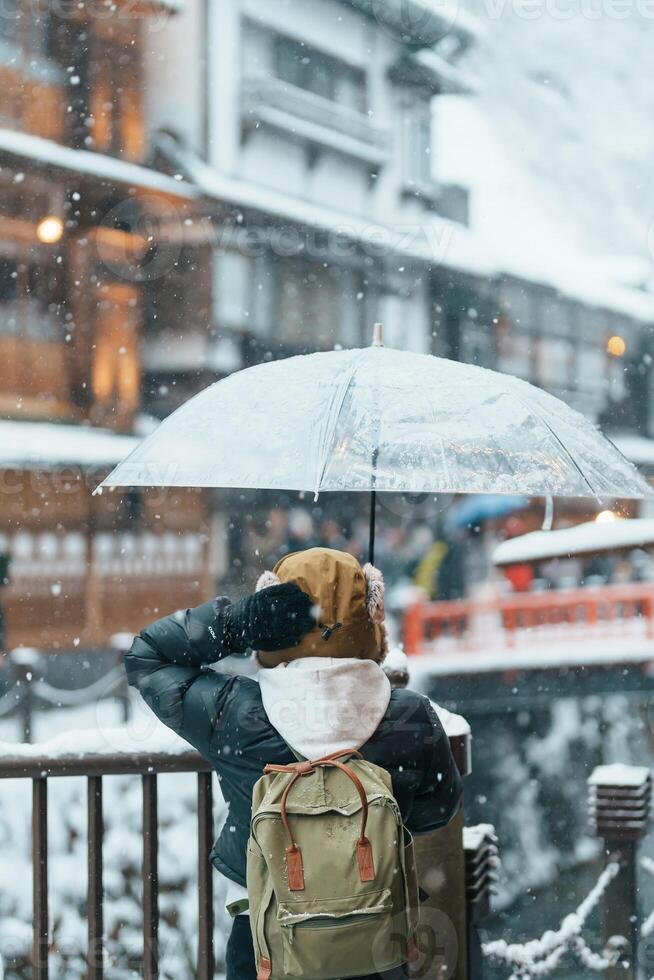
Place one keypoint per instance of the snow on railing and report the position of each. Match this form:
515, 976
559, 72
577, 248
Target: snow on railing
523, 618
540, 957
81, 695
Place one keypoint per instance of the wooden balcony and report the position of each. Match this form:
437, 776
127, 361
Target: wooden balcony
312, 119
62, 595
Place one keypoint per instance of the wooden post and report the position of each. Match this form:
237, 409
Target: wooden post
482, 860
440, 859
40, 930
205, 878
95, 893
619, 806
150, 878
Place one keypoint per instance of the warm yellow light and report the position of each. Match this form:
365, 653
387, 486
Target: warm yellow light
606, 517
616, 346
50, 229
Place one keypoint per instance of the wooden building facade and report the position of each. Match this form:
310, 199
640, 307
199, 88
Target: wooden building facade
77, 260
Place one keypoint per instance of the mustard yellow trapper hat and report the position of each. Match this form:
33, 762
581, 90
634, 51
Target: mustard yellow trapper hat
349, 604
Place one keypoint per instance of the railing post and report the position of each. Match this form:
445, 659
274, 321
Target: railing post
205, 878
414, 629
482, 861
95, 893
40, 878
619, 806
121, 643
26, 661
150, 879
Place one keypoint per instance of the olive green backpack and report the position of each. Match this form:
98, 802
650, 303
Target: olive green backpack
330, 871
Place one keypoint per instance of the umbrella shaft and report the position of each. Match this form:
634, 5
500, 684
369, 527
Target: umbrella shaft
371, 540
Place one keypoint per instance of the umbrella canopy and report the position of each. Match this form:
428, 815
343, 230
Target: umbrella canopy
590, 538
483, 507
380, 419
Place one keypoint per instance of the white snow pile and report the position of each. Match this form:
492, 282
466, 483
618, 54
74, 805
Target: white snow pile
541, 957
618, 775
104, 740
556, 147
473, 837
581, 539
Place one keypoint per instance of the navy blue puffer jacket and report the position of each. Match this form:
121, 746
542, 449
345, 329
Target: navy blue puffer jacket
224, 718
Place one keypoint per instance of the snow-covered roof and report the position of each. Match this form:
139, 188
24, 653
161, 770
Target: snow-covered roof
429, 69
582, 539
92, 164
46, 445
637, 449
420, 21
555, 149
442, 243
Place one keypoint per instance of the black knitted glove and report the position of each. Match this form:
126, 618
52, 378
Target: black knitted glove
273, 619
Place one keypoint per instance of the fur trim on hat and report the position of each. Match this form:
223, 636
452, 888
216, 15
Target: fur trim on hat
375, 593
265, 580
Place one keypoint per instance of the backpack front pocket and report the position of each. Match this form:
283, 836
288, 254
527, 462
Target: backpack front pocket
344, 937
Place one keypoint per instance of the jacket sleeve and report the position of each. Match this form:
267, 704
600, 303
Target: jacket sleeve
439, 795
167, 665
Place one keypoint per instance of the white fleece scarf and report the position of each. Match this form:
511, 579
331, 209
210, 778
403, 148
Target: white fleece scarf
323, 704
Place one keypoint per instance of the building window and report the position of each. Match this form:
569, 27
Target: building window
10, 17
243, 292
314, 71
8, 280
555, 363
477, 339
116, 366
318, 305
417, 146
28, 301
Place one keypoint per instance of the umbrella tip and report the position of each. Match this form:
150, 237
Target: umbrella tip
378, 335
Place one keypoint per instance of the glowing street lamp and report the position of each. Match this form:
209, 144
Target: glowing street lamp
616, 346
50, 229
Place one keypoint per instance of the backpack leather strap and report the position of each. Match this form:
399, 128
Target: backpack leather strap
294, 863
265, 969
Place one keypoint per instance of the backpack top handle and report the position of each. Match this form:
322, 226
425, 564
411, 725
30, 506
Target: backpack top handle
293, 852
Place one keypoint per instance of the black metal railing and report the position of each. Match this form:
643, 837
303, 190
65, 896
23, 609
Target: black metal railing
94, 767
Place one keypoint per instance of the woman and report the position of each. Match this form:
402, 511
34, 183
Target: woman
316, 623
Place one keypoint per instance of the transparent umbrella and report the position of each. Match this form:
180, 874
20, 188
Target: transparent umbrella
379, 419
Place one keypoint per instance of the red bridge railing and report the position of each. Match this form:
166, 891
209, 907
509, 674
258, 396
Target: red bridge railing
504, 620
